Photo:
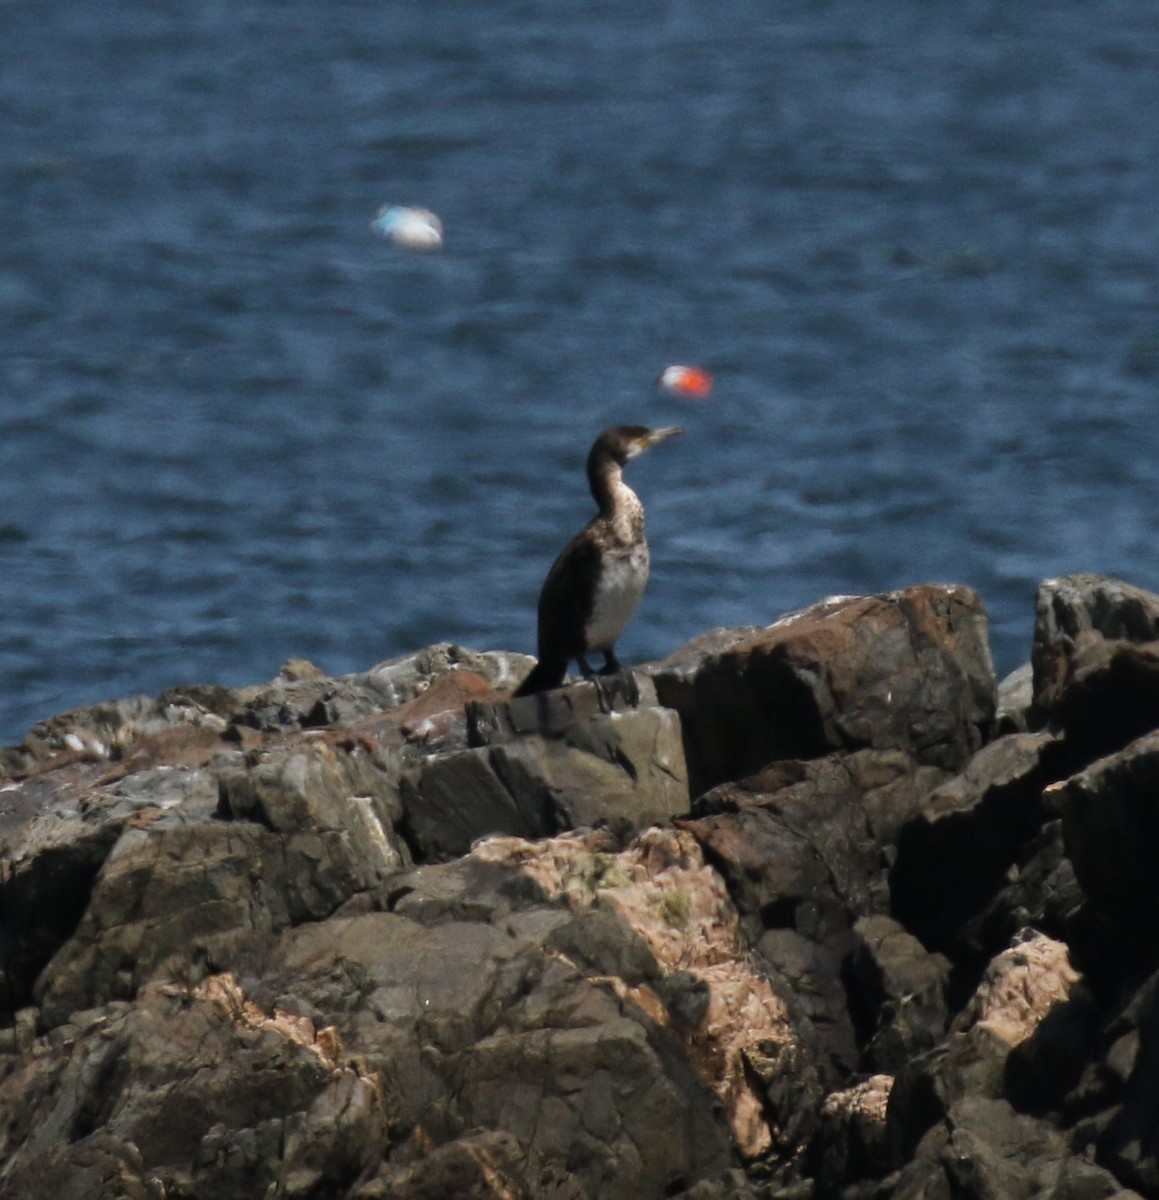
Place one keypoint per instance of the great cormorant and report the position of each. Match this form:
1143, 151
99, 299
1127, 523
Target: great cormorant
594, 586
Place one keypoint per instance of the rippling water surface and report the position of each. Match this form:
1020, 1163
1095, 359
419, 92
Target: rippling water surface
916, 244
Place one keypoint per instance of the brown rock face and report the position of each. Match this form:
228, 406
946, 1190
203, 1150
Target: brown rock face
804, 848
186, 1086
1096, 660
1110, 826
783, 916
1078, 612
203, 931
909, 670
954, 855
1022, 986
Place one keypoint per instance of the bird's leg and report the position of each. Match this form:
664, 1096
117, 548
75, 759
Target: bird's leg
604, 691
615, 683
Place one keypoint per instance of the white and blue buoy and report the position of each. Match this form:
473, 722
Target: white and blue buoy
414, 228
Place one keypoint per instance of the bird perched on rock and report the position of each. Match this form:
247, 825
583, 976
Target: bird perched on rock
594, 586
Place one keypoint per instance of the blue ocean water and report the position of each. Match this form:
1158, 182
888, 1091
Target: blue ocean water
915, 243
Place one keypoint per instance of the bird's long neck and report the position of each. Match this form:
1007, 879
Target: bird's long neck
619, 506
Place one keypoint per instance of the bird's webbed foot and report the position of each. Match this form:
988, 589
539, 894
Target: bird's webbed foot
612, 682
620, 688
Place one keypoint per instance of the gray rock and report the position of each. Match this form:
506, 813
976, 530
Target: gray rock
792, 863
198, 1085
624, 767
897, 994
994, 1151
477, 1166
293, 702
554, 713
1015, 712
798, 842
804, 848
850, 1141
254, 976
1083, 1180
401, 679
1110, 827
175, 902
1076, 612
956, 854
471, 1027
95, 733
299, 696
1096, 662
64, 823
475, 1032
1039, 889
1022, 988
907, 670
984, 1150
184, 893
810, 974
315, 786
1129, 1142
595, 1096
94, 1168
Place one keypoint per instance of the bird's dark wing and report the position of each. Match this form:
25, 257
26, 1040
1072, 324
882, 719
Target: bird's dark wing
545, 675
565, 603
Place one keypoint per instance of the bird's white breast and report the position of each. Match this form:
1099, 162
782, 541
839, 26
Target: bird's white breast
621, 584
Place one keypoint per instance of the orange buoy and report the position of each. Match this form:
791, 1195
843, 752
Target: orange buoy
690, 383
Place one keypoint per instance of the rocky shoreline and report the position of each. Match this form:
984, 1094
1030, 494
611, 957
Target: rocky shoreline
816, 909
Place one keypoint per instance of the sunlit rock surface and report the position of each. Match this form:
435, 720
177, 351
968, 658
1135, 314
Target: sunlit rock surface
805, 910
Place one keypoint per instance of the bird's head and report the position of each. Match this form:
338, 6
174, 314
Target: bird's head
622, 443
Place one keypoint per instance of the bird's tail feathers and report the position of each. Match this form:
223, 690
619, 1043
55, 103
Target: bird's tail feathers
547, 673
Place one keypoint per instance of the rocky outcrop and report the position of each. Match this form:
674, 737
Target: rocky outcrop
1022, 987
1096, 659
910, 671
543, 764
956, 853
807, 910
1110, 829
